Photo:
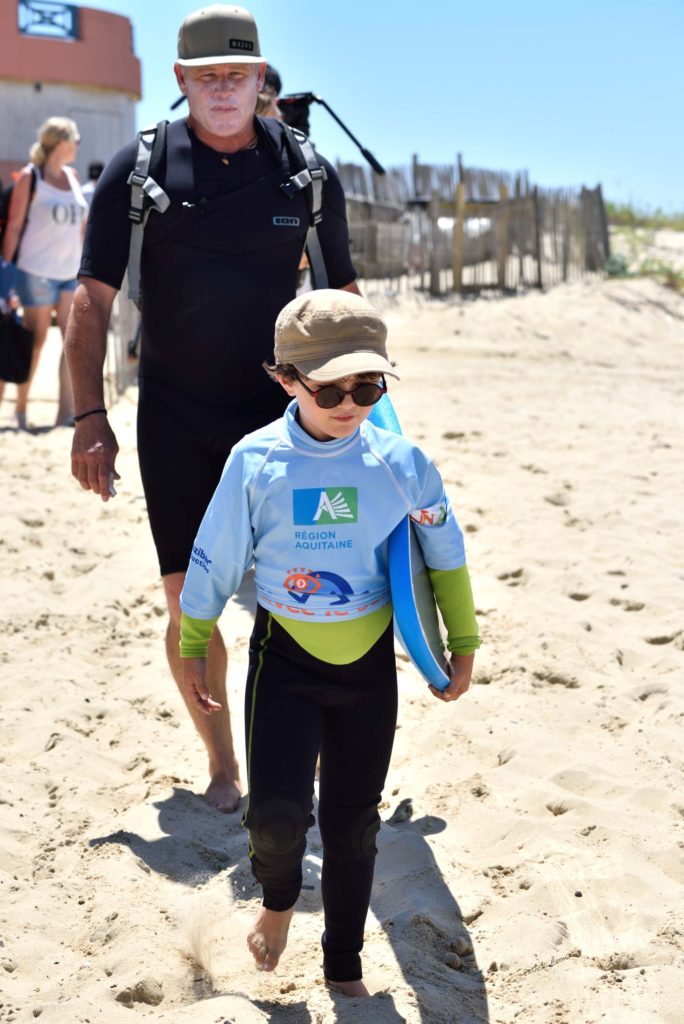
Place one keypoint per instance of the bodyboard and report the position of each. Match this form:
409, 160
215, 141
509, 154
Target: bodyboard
416, 624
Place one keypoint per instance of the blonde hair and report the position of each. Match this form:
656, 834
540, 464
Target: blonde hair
50, 134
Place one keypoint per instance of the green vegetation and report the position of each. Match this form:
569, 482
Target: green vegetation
632, 257
626, 216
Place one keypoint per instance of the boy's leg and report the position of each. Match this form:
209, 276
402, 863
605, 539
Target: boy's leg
356, 747
282, 726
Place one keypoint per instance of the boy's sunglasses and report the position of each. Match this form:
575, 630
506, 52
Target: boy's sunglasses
330, 395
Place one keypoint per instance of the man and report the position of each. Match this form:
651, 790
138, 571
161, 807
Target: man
217, 267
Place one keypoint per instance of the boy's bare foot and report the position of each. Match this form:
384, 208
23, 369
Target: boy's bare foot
355, 989
268, 937
224, 794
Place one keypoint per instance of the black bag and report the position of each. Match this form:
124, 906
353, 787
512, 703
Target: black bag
16, 346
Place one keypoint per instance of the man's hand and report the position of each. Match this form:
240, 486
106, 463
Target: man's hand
460, 670
93, 454
194, 684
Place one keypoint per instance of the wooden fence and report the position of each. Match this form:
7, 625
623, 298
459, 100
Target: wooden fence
470, 229
443, 227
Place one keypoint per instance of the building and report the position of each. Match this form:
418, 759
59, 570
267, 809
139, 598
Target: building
58, 59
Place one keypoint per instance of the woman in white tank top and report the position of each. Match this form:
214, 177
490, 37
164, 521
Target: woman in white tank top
44, 236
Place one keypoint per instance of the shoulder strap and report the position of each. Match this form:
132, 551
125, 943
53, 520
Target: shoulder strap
310, 177
146, 195
7, 198
75, 183
32, 186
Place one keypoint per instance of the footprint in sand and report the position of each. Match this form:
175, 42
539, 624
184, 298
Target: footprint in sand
665, 638
559, 807
557, 679
651, 690
628, 606
513, 578
504, 756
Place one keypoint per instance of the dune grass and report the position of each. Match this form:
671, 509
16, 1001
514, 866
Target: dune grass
634, 258
627, 216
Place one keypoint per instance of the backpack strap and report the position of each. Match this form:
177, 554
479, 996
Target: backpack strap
310, 177
146, 195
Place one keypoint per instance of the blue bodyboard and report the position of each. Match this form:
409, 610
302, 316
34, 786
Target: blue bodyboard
416, 624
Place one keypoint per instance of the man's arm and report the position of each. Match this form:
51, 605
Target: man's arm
94, 448
353, 287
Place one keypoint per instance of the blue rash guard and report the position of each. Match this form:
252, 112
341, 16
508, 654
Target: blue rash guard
314, 517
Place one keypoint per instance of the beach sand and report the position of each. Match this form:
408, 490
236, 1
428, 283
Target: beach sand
540, 875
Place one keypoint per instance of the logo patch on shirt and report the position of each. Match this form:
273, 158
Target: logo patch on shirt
321, 506
286, 222
305, 583
201, 558
435, 515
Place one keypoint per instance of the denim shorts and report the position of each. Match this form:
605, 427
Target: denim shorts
40, 291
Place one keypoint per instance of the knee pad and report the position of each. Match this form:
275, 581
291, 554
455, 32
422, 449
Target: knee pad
368, 828
277, 826
350, 837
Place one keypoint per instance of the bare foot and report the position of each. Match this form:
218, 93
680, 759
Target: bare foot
224, 794
268, 937
355, 989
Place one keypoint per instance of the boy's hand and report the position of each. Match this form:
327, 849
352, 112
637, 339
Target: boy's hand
194, 672
460, 670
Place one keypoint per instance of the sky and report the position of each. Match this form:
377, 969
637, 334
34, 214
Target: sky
575, 93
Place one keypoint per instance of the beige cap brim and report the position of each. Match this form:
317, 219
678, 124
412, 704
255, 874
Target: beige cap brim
324, 371
232, 58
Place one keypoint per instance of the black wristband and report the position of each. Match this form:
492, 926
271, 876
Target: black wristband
91, 412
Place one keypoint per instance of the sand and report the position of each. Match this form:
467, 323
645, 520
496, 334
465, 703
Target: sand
539, 877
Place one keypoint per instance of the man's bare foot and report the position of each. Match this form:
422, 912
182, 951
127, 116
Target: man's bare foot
224, 794
268, 937
355, 989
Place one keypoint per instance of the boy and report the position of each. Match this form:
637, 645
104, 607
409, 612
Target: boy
312, 499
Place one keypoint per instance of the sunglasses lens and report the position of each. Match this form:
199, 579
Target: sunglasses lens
367, 394
328, 397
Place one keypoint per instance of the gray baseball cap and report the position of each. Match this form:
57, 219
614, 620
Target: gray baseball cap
329, 334
219, 34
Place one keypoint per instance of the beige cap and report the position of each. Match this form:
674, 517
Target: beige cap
219, 34
329, 334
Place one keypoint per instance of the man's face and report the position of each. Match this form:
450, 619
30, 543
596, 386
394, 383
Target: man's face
221, 97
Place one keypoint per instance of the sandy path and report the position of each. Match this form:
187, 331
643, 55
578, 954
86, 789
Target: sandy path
540, 877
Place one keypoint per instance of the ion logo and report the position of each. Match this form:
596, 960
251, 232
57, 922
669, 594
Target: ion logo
316, 506
286, 222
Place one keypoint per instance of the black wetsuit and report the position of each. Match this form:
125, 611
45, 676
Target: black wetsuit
296, 707
216, 270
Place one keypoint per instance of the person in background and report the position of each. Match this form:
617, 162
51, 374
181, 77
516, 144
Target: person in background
217, 267
267, 101
44, 237
94, 171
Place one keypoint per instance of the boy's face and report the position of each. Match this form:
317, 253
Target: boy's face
340, 421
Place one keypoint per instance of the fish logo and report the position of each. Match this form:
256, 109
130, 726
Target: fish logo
304, 583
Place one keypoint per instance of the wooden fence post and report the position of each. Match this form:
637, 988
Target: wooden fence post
433, 215
503, 215
604, 223
536, 209
459, 209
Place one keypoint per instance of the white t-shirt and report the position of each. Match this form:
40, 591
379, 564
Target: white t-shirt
52, 241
